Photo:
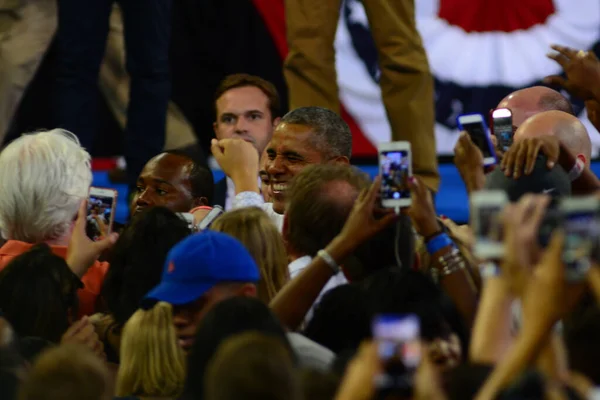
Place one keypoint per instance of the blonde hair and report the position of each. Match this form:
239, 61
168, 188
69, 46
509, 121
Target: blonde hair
152, 363
253, 227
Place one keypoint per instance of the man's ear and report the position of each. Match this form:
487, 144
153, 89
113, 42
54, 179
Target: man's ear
199, 201
582, 158
276, 121
215, 128
340, 160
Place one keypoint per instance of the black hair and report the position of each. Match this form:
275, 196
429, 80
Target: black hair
394, 246
340, 320
31, 347
38, 292
465, 381
137, 259
226, 319
201, 177
395, 291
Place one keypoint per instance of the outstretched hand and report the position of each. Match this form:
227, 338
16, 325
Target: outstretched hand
521, 157
83, 251
582, 70
364, 222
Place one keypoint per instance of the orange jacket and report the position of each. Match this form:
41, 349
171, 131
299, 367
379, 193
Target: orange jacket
92, 280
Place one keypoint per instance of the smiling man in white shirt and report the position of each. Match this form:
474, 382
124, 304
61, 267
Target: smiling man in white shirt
305, 136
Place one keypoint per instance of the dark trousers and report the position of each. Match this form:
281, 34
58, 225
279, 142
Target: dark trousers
81, 41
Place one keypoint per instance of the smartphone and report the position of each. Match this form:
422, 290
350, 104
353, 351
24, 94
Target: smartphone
474, 125
100, 212
580, 222
189, 218
503, 127
486, 213
398, 344
210, 217
395, 168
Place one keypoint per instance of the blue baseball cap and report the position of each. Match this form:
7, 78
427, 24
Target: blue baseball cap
198, 263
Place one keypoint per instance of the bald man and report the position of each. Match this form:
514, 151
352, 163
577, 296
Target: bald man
525, 103
567, 128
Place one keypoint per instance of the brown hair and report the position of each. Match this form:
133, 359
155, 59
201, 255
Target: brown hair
243, 80
67, 372
315, 215
253, 227
252, 366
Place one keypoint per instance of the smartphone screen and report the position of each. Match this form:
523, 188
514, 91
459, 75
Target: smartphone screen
100, 213
395, 171
399, 349
489, 229
478, 135
580, 229
503, 127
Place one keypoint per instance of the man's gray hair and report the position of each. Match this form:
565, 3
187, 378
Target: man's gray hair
44, 176
332, 135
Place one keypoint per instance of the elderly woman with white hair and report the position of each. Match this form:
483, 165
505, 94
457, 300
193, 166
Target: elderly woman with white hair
45, 177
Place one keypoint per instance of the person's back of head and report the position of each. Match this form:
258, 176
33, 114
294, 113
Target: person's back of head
567, 128
320, 199
67, 372
252, 366
38, 293
44, 177
330, 134
340, 320
137, 259
527, 102
227, 318
152, 363
254, 229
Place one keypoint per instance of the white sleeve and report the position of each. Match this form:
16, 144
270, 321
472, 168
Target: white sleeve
253, 199
247, 199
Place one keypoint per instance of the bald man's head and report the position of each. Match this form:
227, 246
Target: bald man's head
527, 102
566, 127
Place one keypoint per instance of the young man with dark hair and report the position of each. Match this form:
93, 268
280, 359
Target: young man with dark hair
246, 107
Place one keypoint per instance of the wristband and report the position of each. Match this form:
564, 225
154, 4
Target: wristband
577, 169
193, 210
325, 256
438, 242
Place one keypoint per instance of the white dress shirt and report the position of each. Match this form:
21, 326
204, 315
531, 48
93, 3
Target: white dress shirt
230, 194
298, 265
253, 199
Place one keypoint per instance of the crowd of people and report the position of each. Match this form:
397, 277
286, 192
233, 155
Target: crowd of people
305, 287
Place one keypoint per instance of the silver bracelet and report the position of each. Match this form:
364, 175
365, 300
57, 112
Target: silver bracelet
450, 263
325, 256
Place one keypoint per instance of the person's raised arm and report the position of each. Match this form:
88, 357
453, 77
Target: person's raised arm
239, 161
468, 159
295, 299
448, 264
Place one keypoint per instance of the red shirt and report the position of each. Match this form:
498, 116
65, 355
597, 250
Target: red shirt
92, 280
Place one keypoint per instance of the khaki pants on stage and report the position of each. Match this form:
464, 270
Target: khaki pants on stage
26, 31
406, 81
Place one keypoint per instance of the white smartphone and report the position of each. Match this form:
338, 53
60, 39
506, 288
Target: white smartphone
395, 168
100, 212
580, 218
474, 125
189, 218
399, 349
503, 127
486, 209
